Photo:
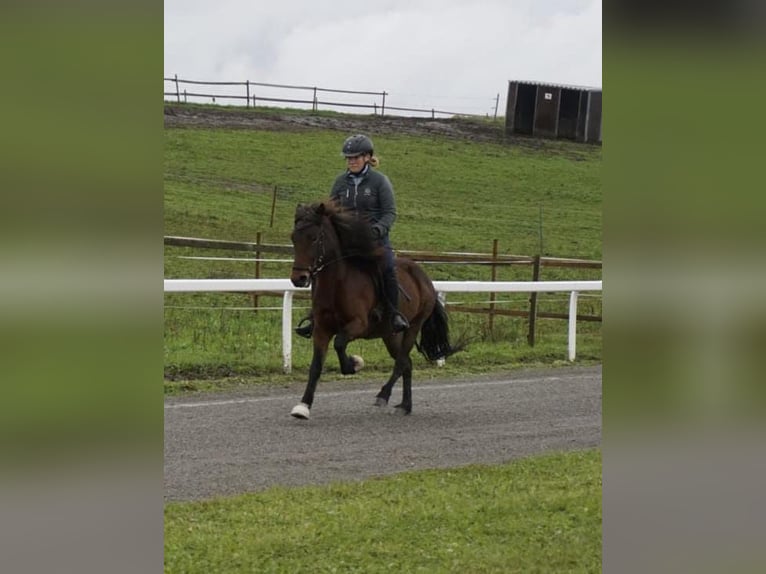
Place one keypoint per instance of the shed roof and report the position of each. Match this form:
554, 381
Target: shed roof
555, 85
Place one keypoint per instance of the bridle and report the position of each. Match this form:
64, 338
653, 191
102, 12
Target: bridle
319, 262
319, 253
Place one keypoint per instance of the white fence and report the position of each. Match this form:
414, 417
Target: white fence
287, 288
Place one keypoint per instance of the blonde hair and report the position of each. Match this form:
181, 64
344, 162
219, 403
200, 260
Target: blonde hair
374, 161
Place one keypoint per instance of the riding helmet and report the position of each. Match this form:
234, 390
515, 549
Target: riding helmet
356, 145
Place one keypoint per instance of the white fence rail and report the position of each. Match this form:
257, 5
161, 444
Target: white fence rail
287, 288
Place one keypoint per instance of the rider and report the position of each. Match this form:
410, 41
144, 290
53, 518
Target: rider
370, 194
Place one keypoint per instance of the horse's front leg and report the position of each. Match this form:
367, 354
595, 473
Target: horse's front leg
354, 329
321, 342
349, 364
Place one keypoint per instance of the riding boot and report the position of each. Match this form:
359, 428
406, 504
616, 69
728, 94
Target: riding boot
399, 322
307, 329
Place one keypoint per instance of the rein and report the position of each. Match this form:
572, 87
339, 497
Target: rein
314, 270
319, 264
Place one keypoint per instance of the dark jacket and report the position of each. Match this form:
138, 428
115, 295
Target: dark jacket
370, 194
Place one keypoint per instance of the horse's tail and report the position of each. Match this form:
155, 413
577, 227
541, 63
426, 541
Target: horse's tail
434, 335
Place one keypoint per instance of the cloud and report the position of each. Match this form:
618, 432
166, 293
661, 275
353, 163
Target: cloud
447, 54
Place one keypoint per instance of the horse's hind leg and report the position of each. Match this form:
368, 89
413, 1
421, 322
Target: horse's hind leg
393, 345
404, 363
381, 399
405, 407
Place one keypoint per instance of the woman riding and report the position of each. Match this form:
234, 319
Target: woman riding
370, 194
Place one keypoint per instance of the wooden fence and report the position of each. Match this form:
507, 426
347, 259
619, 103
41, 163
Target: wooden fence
494, 260
250, 98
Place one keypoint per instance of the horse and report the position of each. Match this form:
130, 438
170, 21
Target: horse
336, 253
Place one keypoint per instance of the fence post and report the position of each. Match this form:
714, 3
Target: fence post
257, 268
315, 103
247, 87
533, 303
443, 298
572, 324
383, 106
178, 93
492, 295
287, 332
497, 103
273, 206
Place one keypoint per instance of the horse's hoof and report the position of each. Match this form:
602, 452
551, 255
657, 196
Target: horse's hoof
300, 411
358, 363
381, 402
400, 410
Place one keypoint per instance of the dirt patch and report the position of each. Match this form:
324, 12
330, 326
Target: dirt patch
460, 128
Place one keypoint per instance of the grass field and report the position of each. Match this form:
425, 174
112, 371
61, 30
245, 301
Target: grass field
536, 515
540, 514
452, 195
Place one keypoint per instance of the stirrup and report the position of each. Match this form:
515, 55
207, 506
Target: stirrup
305, 331
399, 323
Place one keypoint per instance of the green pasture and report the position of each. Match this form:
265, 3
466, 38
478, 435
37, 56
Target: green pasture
453, 195
541, 514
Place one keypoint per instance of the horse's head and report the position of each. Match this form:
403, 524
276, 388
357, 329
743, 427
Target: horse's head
325, 234
308, 243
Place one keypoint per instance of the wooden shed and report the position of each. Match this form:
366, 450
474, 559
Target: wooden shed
554, 111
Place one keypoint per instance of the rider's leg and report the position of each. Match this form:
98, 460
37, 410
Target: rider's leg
399, 322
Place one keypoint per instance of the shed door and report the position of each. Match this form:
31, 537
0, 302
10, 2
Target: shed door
524, 116
547, 111
570, 105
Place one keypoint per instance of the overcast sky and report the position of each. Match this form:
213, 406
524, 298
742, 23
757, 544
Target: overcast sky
454, 55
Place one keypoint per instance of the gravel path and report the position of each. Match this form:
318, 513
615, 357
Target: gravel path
228, 444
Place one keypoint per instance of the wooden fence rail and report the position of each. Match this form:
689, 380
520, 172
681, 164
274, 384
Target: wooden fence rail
493, 259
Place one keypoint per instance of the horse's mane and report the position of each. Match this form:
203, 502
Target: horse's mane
357, 242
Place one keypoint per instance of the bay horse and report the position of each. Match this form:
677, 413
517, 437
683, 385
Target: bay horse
335, 252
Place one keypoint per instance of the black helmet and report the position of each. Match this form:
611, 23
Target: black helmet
356, 145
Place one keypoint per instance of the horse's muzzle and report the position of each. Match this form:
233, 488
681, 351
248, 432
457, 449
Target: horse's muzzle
300, 279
